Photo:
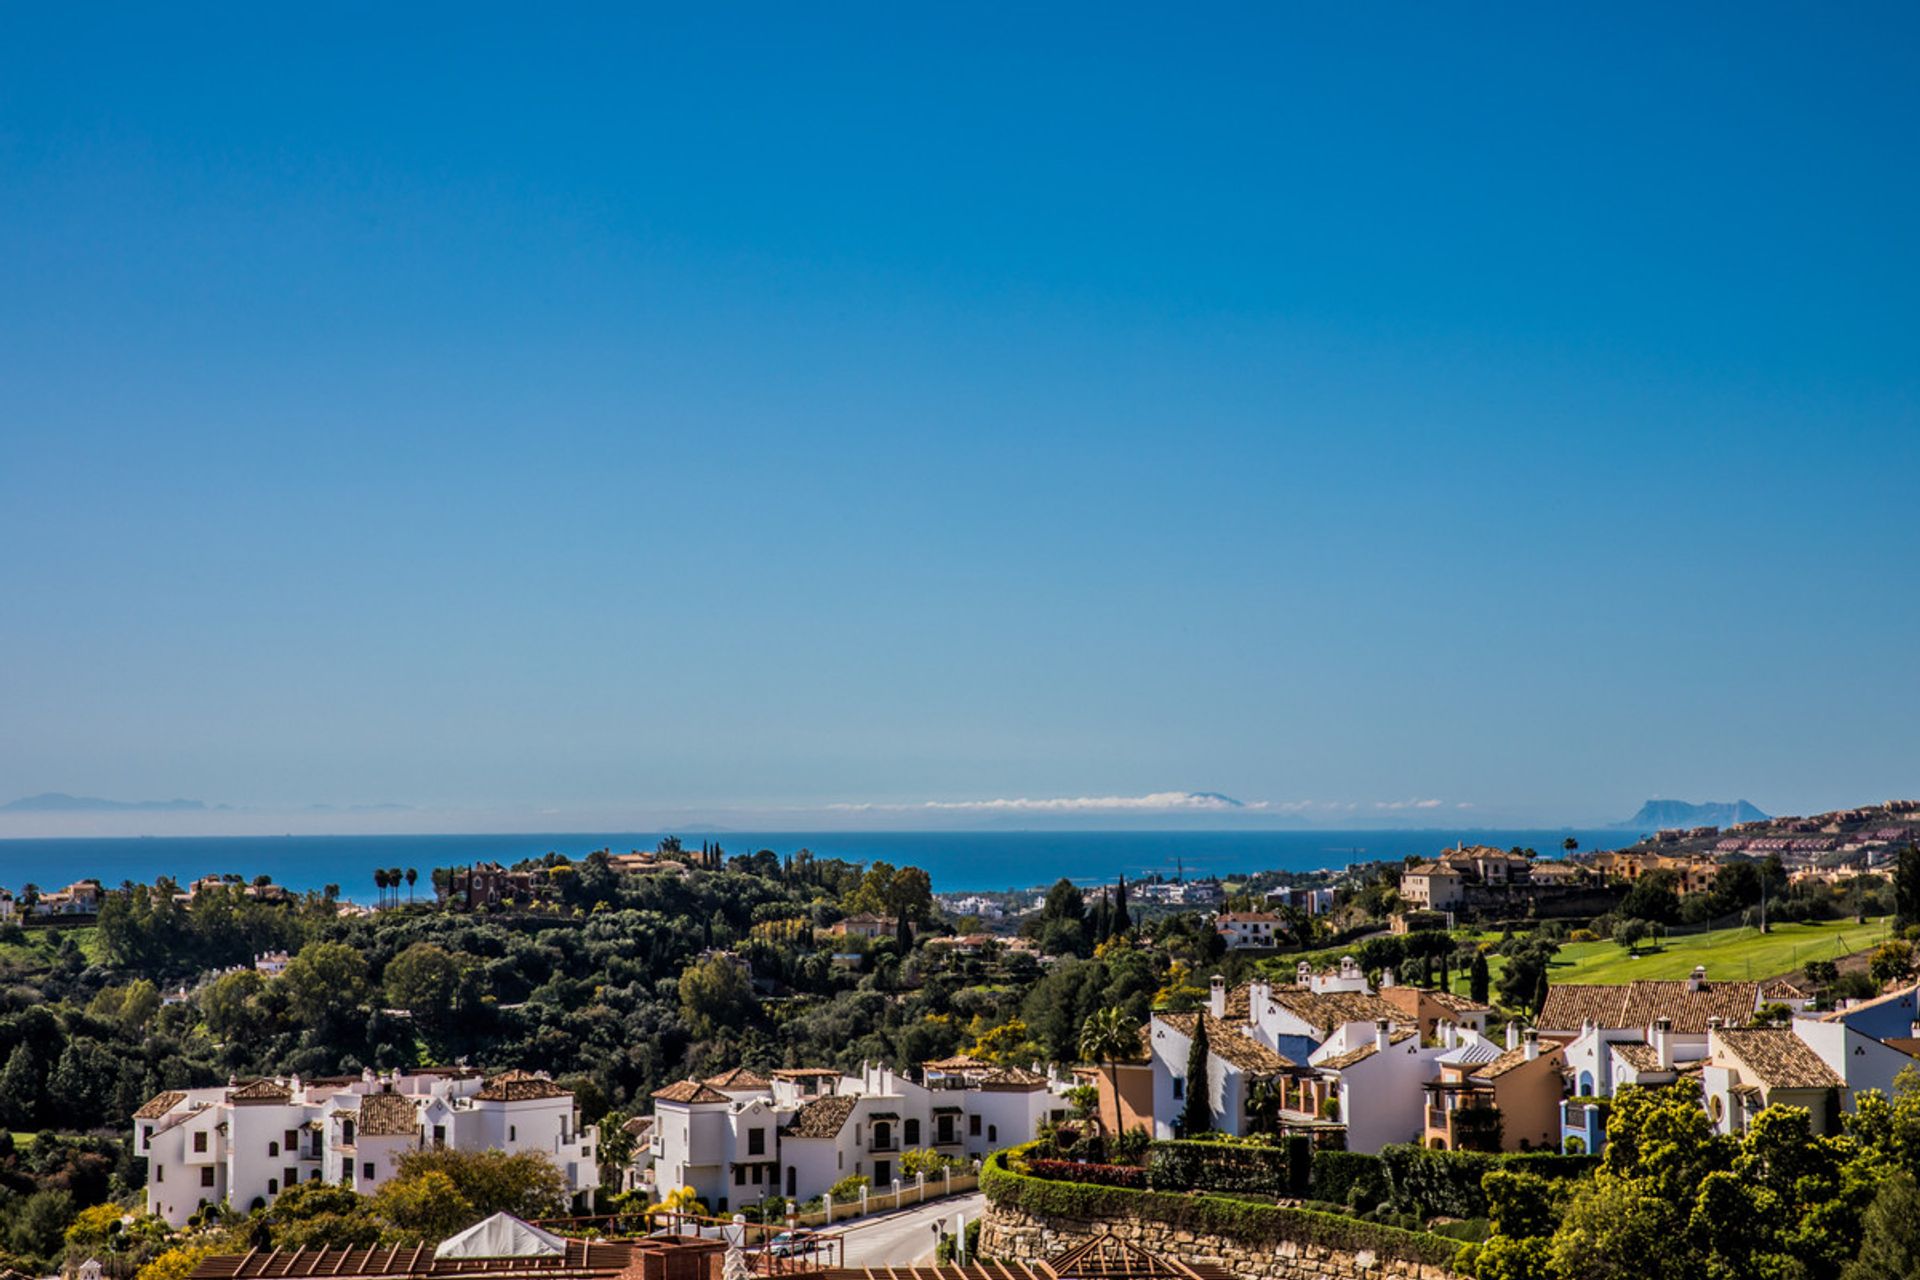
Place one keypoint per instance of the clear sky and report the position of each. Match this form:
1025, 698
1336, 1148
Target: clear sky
765, 409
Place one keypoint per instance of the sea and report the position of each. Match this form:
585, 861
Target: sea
956, 861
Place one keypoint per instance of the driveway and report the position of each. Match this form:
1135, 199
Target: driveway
905, 1237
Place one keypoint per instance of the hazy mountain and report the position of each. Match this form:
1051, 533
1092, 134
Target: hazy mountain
1667, 815
60, 802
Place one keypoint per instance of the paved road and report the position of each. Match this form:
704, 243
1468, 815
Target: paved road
897, 1239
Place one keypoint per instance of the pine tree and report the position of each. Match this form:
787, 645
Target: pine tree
21, 1084
1196, 1114
1477, 980
1121, 924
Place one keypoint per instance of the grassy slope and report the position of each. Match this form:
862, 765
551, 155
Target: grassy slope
1728, 954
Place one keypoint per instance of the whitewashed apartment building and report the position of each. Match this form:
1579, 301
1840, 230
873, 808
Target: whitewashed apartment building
739, 1137
246, 1143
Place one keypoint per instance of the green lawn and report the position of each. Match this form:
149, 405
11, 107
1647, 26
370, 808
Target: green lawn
1728, 954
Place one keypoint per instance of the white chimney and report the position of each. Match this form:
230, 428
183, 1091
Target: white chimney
1386, 978
1663, 1042
1303, 974
1217, 996
1448, 1037
1698, 978
1513, 1034
1258, 993
1533, 1044
1381, 1035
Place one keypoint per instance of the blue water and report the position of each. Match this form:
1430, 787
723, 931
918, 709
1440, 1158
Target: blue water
956, 860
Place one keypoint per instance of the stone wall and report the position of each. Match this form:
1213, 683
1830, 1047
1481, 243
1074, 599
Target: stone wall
1014, 1235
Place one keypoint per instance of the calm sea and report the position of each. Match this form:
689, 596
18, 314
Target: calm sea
967, 860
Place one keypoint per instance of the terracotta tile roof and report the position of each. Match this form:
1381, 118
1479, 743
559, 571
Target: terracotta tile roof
690, 1092
1512, 1059
1333, 1008
1228, 1043
739, 1078
1013, 1079
262, 1090
1457, 1003
1570, 1005
1641, 1057
802, 1073
1781, 989
822, 1118
958, 1062
520, 1086
388, 1115
159, 1104
1341, 1061
638, 1125
1779, 1059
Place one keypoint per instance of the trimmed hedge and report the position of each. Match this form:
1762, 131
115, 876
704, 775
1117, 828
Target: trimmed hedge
1447, 1183
1253, 1222
1105, 1175
1196, 1164
1351, 1178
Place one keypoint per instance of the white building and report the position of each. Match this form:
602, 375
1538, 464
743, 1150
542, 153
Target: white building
245, 1143
739, 1137
1247, 928
1810, 1062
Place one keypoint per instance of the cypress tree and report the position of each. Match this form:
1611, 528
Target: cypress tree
904, 933
1121, 924
1906, 887
1477, 980
1196, 1113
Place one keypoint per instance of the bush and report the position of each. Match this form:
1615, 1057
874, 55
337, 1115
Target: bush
1218, 1215
1105, 1175
1192, 1165
1349, 1178
1449, 1183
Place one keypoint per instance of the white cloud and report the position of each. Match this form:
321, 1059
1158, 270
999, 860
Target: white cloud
1153, 802
1407, 804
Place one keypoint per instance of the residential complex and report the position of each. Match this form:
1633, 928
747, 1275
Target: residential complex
739, 1137
244, 1143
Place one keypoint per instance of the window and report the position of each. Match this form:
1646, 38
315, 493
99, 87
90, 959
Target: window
313, 1175
993, 1133
439, 1135
346, 1133
147, 1134
206, 1176
756, 1142
913, 1133
159, 1173
292, 1139
1179, 1088
973, 1126
289, 1178
273, 1186
739, 1175
512, 1133
366, 1170
882, 1173
273, 1150
200, 1140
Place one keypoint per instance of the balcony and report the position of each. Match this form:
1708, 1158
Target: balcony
1583, 1130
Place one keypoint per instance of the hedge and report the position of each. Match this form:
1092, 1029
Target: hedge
1105, 1175
1253, 1222
1447, 1183
1196, 1164
1348, 1177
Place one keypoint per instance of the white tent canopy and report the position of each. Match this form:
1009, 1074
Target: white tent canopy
502, 1236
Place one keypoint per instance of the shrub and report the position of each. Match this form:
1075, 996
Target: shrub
1449, 1183
1348, 1177
1105, 1175
1218, 1166
1217, 1215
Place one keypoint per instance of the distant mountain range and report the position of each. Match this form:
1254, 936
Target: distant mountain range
60, 802
1669, 815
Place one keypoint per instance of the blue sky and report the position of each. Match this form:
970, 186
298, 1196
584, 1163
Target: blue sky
614, 414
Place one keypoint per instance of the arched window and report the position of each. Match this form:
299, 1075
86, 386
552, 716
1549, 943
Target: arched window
273, 1148
1586, 1084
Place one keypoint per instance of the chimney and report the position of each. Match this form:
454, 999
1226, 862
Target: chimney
1217, 997
1513, 1034
1258, 992
1386, 978
1663, 1042
1448, 1038
1303, 974
1533, 1044
1381, 1035
1698, 979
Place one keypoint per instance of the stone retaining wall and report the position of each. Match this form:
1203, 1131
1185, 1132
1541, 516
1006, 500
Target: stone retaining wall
1014, 1235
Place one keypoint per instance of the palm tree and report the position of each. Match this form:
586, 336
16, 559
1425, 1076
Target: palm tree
380, 883
393, 883
1569, 844
1107, 1036
412, 875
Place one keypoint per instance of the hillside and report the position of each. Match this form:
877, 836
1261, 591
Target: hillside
1863, 835
1667, 815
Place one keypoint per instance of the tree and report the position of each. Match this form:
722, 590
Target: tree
1906, 887
1890, 1243
425, 980
1122, 922
1108, 1036
380, 886
324, 982
1891, 962
1477, 980
715, 995
412, 875
525, 1184
1196, 1111
1570, 844
427, 1206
